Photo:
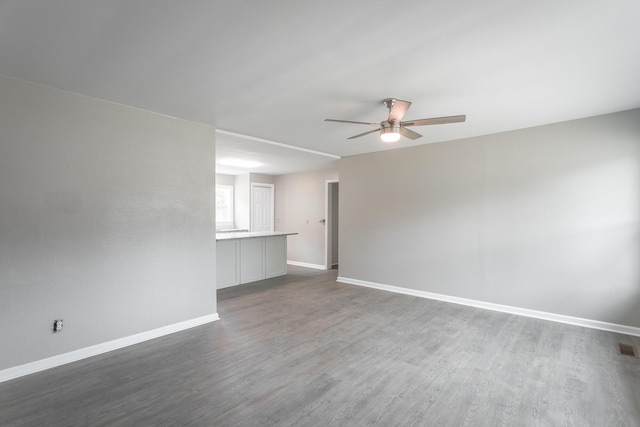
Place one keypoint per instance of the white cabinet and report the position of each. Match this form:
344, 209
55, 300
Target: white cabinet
252, 259
227, 266
247, 257
275, 256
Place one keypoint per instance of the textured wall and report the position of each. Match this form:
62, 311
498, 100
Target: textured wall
106, 221
545, 218
242, 201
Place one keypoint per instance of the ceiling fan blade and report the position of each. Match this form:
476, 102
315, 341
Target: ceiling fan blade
397, 110
351, 121
409, 133
435, 121
363, 134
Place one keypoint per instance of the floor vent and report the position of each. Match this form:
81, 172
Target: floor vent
627, 350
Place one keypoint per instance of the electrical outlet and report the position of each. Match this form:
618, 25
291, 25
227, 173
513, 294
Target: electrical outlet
57, 325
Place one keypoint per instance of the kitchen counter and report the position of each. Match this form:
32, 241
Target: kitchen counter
244, 257
228, 235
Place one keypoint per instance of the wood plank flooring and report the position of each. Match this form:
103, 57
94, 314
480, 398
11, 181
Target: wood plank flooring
304, 350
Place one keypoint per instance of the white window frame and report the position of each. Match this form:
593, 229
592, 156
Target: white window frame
225, 224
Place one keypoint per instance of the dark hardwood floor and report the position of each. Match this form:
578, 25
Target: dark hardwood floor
305, 350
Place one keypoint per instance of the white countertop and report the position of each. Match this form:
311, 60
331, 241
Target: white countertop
250, 234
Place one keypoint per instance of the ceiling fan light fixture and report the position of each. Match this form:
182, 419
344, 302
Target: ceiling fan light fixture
389, 136
390, 132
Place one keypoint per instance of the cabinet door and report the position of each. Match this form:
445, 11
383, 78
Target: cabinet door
251, 259
227, 272
276, 256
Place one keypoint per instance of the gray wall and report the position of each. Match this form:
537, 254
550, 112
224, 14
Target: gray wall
300, 205
545, 218
106, 221
261, 178
225, 179
241, 201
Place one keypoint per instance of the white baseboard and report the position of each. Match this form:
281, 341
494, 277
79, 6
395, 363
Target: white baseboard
83, 353
577, 321
306, 264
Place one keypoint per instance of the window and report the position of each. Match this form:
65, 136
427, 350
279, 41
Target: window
224, 205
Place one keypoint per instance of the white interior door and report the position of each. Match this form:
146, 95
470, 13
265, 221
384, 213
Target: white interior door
262, 207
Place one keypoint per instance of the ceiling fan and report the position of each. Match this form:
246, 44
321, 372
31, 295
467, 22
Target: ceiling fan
392, 128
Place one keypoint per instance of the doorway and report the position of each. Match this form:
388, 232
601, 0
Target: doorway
331, 225
262, 207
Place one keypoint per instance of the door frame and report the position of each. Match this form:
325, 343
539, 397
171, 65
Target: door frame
328, 242
273, 203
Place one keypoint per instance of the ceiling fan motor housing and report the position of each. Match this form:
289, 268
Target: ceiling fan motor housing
389, 127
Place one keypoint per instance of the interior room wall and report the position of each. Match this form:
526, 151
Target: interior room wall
241, 202
545, 218
261, 178
225, 179
106, 221
300, 205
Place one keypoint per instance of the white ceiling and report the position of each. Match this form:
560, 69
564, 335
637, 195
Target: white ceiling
274, 70
272, 158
